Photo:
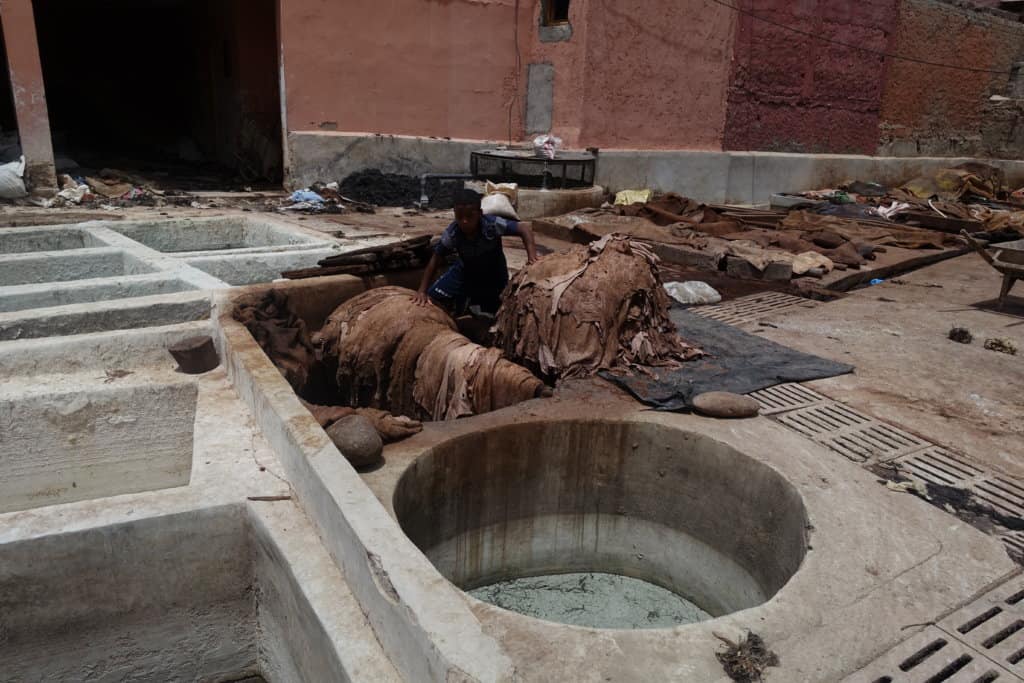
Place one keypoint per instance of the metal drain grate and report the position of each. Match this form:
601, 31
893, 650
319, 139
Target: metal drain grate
1014, 542
936, 465
993, 625
784, 397
1002, 494
819, 420
932, 656
749, 308
851, 434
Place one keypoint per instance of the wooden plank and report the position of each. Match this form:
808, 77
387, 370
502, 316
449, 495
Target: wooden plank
951, 225
865, 275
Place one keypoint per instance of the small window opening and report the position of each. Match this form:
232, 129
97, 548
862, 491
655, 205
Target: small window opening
556, 12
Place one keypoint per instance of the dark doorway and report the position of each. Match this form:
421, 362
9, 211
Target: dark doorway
10, 148
186, 90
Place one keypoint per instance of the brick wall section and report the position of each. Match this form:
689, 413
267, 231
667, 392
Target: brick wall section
944, 112
793, 93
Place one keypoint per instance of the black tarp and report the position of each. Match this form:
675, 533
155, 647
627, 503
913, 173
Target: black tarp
736, 361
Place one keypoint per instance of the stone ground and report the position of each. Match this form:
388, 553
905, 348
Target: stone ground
907, 370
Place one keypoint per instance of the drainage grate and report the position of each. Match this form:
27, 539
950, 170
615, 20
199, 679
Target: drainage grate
1014, 542
993, 624
851, 434
936, 465
785, 397
749, 308
932, 656
1002, 494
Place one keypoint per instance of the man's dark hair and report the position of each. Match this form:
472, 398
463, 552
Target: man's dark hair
467, 198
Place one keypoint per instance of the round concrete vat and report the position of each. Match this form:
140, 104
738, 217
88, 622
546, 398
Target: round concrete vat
672, 507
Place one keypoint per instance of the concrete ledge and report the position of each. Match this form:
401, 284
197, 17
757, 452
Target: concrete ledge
428, 633
326, 156
709, 176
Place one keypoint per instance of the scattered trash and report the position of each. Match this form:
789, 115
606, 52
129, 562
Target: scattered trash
1001, 345
693, 293
746, 660
876, 281
961, 335
307, 196
916, 487
627, 197
12, 183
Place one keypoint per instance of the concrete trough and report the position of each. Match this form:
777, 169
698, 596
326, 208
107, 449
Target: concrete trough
586, 496
77, 445
17, 241
228, 233
23, 297
82, 264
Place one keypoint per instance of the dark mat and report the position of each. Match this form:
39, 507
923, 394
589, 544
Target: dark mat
736, 362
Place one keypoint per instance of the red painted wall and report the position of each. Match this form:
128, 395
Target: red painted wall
935, 111
794, 93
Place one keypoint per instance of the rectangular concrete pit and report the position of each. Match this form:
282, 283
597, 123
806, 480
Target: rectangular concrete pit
219, 593
213, 234
166, 598
80, 445
26, 297
19, 241
83, 264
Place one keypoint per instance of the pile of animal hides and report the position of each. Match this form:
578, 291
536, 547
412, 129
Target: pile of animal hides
394, 354
595, 307
284, 338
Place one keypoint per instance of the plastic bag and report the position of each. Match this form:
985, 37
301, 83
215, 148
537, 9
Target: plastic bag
546, 145
498, 204
693, 292
627, 197
12, 185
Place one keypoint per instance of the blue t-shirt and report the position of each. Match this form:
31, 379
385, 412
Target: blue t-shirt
482, 251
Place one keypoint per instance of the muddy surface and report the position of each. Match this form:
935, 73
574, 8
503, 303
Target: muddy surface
393, 189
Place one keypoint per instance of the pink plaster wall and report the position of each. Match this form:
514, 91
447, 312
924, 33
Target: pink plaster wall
656, 73
645, 74
415, 67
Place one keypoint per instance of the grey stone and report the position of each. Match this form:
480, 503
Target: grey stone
554, 34
778, 271
540, 97
725, 404
737, 267
357, 439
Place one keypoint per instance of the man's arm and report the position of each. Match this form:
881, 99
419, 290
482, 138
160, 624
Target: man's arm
421, 297
525, 230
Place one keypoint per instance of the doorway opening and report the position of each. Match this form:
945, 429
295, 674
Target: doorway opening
183, 92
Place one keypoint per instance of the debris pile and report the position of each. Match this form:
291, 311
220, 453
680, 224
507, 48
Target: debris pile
394, 354
322, 198
811, 233
403, 255
394, 189
746, 660
592, 308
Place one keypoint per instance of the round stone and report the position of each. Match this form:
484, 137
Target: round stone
357, 439
725, 404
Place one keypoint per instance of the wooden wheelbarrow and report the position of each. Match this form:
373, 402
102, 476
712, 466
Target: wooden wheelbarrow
1008, 259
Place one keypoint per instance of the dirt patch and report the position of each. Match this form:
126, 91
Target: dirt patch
393, 189
746, 660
